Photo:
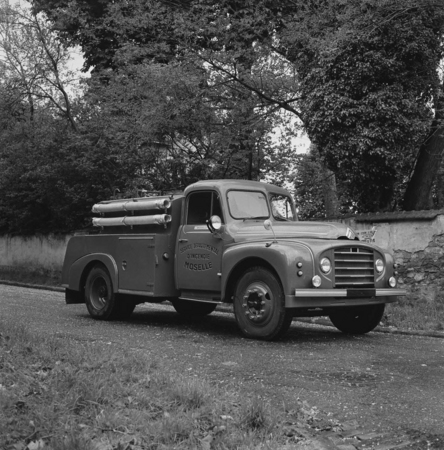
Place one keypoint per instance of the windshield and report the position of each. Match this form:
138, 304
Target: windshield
247, 205
282, 208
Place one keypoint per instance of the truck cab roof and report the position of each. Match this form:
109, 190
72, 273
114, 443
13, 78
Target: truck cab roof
226, 185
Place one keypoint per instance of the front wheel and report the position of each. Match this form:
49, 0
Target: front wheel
259, 305
193, 309
358, 319
101, 300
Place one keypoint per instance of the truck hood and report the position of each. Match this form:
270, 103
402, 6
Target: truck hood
254, 229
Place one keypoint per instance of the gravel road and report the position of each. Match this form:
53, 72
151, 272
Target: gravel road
384, 382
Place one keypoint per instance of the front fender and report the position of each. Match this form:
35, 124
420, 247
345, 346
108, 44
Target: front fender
281, 256
78, 268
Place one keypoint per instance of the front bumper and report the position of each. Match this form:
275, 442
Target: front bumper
349, 292
324, 298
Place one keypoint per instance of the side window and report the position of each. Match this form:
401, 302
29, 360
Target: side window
282, 208
201, 206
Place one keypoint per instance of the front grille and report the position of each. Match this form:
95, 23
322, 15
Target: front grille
354, 268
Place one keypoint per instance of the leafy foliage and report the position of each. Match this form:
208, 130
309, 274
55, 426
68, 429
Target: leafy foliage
34, 63
367, 74
190, 89
361, 76
310, 181
201, 130
50, 178
145, 121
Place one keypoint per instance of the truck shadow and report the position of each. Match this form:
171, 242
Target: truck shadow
223, 326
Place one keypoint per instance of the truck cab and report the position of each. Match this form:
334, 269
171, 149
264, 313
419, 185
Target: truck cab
228, 241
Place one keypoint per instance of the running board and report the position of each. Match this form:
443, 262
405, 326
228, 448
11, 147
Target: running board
201, 300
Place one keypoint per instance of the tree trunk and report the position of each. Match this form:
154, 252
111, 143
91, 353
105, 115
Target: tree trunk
418, 195
440, 189
330, 192
329, 188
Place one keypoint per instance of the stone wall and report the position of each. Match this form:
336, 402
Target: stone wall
32, 258
416, 239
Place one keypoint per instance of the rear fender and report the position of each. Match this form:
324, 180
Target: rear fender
79, 270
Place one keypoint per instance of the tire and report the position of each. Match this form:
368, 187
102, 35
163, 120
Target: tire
259, 305
101, 301
359, 319
193, 309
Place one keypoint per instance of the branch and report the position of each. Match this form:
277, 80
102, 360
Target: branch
282, 104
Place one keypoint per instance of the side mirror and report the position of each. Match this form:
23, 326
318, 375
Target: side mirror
269, 226
214, 224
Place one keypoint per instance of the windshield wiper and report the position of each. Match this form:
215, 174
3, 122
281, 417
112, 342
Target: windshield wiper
281, 219
255, 218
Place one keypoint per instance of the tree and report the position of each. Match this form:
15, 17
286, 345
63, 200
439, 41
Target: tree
233, 71
361, 76
419, 190
184, 127
313, 184
52, 175
161, 34
155, 126
367, 73
35, 61
37, 126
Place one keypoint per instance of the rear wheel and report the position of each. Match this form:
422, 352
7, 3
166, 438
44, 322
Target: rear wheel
193, 309
101, 300
259, 305
359, 319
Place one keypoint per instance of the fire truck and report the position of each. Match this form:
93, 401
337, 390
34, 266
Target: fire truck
228, 242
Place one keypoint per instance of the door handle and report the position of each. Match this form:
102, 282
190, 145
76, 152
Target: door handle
181, 241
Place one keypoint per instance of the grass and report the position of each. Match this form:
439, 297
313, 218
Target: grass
21, 274
58, 394
419, 315
255, 416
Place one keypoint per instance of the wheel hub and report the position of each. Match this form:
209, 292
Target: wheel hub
256, 302
102, 291
99, 293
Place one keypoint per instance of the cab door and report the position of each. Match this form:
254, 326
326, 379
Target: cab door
199, 253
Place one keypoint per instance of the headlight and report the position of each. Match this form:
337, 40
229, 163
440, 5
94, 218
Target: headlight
325, 265
379, 265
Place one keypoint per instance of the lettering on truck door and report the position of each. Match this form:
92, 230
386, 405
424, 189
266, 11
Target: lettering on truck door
199, 253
